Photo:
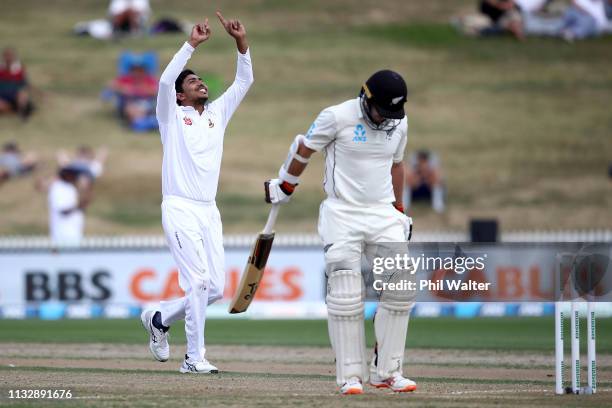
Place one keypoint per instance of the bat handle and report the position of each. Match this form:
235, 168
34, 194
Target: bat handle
271, 219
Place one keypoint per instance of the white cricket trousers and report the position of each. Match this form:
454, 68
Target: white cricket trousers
350, 228
195, 237
347, 232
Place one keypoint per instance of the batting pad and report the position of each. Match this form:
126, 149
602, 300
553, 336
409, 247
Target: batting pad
391, 327
346, 324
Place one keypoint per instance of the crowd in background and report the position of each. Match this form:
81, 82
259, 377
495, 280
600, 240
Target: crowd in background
569, 20
134, 90
15, 91
15, 163
69, 191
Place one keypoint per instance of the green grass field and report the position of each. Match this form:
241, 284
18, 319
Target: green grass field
522, 129
456, 363
447, 333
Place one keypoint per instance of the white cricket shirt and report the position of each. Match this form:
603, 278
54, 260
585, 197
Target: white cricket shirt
193, 143
358, 159
65, 228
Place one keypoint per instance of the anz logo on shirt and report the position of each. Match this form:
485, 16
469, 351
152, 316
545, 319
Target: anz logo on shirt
360, 134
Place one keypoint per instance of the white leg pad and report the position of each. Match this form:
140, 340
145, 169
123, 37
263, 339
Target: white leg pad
346, 324
391, 329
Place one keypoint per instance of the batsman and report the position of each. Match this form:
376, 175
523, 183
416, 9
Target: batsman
363, 140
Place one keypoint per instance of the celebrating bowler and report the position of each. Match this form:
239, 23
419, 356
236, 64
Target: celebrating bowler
192, 130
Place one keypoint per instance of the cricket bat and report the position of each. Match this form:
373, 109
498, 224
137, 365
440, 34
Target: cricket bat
254, 269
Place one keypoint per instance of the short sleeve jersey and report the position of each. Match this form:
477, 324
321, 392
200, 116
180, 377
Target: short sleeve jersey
358, 158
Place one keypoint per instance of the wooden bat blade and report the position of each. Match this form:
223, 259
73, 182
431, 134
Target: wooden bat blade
253, 272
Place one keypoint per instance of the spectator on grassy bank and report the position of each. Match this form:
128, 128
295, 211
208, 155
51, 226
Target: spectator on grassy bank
580, 19
583, 19
424, 181
68, 197
14, 163
136, 91
89, 162
129, 16
505, 16
14, 87
86, 162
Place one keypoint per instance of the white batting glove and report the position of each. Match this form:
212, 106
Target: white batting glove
278, 191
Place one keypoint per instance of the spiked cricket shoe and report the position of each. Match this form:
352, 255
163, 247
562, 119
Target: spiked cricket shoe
352, 387
158, 339
198, 367
397, 383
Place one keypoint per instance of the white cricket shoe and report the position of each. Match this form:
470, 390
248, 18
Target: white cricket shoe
397, 383
158, 339
198, 367
352, 387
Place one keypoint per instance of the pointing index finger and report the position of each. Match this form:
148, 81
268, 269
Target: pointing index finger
221, 19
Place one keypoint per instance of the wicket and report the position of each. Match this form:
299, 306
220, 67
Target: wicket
575, 344
560, 285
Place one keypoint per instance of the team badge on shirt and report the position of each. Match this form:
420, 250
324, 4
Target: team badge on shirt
360, 134
210, 123
187, 121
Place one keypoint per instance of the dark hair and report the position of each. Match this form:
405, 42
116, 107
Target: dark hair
10, 147
178, 84
423, 154
67, 173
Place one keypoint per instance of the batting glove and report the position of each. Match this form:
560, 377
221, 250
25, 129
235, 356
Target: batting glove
278, 192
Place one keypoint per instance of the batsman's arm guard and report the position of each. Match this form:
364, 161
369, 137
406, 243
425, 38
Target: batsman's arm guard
283, 174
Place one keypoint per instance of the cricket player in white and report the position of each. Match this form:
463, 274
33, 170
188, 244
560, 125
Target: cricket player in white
192, 131
363, 140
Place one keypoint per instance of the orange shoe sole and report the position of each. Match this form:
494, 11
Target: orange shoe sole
353, 391
408, 388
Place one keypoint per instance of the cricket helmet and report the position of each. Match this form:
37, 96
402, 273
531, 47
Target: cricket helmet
387, 91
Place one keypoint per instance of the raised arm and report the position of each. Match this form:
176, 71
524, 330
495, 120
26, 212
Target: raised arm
232, 97
236, 29
166, 97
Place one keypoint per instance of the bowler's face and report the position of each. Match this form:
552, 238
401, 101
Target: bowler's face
194, 88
